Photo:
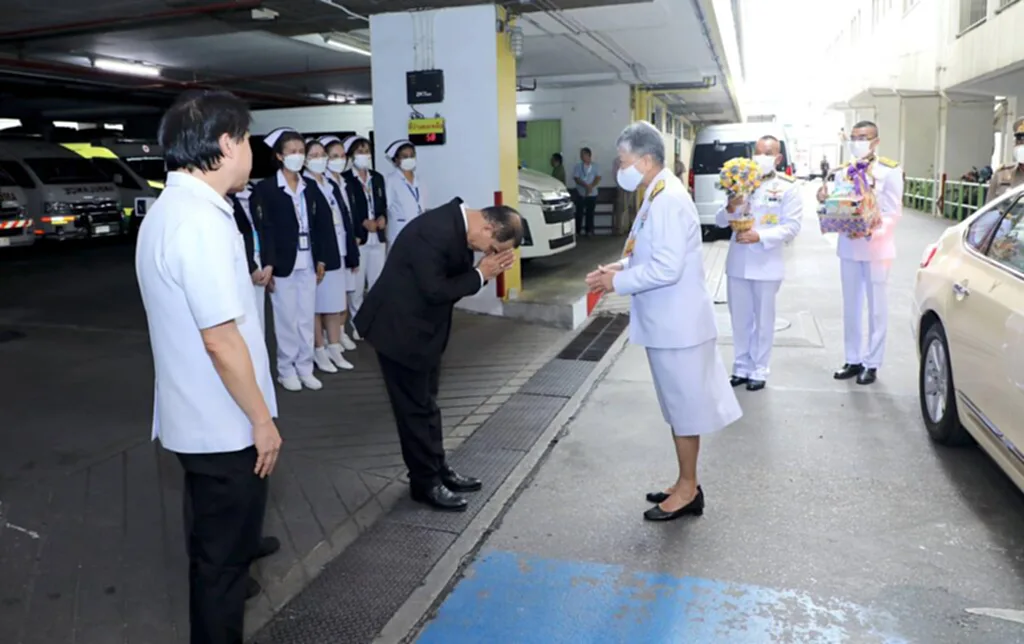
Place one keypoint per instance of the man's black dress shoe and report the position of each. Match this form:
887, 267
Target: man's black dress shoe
658, 497
756, 385
440, 498
268, 546
693, 508
252, 588
736, 381
458, 483
867, 377
848, 371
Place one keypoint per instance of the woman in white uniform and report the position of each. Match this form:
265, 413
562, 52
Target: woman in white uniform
331, 293
671, 313
404, 189
300, 238
337, 163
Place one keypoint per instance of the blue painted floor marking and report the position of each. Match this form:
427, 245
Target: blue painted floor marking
510, 598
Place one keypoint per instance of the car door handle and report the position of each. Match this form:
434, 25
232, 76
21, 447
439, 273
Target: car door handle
960, 291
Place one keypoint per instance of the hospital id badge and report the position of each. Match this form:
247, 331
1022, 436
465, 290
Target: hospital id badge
303, 241
337, 216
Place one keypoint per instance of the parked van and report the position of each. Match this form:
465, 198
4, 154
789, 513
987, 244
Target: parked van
549, 216
137, 196
15, 225
715, 145
68, 197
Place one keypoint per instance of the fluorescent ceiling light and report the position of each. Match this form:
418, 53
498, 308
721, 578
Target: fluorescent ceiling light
122, 67
337, 44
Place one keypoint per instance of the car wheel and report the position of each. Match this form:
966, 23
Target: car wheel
936, 391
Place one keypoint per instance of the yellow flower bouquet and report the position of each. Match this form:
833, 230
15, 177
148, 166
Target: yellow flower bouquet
740, 177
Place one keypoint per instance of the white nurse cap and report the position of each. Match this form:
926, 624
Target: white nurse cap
351, 141
329, 140
393, 148
272, 138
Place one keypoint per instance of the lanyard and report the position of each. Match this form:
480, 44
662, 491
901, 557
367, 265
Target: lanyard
300, 213
415, 192
368, 193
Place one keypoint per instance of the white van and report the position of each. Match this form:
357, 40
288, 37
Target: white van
549, 216
715, 145
68, 197
15, 225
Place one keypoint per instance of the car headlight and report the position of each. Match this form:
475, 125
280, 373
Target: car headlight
57, 208
530, 196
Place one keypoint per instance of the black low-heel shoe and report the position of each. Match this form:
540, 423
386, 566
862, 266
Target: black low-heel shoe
658, 497
693, 508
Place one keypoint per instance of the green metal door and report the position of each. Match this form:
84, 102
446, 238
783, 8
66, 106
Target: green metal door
543, 138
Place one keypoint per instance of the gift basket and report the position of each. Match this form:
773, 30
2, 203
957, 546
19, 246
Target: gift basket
851, 207
740, 177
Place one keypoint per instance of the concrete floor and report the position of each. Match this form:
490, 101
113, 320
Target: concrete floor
831, 517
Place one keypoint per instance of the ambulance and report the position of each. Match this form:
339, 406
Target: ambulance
137, 192
15, 225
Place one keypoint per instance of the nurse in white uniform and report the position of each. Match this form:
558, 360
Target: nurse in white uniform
755, 265
404, 189
337, 163
865, 261
331, 293
671, 313
290, 225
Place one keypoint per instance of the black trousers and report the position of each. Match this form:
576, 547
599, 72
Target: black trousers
585, 207
413, 396
224, 507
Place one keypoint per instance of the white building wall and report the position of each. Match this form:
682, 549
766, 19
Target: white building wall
591, 117
990, 46
969, 137
920, 116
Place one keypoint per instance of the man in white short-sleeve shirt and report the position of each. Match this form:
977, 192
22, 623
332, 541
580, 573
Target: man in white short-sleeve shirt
214, 396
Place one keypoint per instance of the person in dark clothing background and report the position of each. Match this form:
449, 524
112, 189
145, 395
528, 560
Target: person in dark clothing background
558, 167
407, 318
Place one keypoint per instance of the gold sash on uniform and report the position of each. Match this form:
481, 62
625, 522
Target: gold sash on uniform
641, 219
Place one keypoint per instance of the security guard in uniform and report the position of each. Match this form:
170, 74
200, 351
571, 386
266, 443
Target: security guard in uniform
866, 260
755, 265
1009, 176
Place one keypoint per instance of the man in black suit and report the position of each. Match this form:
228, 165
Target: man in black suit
407, 318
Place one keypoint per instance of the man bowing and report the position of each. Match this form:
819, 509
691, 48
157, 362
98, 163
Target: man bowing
407, 317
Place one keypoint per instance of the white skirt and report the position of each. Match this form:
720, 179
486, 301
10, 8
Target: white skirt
331, 295
693, 389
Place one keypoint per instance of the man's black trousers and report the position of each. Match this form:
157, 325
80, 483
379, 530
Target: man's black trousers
224, 507
585, 208
413, 396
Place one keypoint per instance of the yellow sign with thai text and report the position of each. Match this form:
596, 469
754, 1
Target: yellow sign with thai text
426, 126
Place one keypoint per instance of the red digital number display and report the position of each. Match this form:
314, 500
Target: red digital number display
431, 138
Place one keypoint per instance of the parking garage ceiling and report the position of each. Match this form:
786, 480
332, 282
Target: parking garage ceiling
59, 59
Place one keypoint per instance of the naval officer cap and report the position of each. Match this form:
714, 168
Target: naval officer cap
393, 149
1018, 128
275, 136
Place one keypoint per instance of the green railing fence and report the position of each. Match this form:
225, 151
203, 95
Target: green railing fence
954, 200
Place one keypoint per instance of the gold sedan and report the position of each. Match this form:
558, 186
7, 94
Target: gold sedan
969, 326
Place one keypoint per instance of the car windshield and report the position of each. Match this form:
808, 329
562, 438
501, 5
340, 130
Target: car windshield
708, 158
6, 180
149, 168
63, 171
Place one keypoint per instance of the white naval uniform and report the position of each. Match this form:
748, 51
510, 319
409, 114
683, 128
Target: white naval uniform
331, 292
405, 203
864, 268
755, 272
372, 255
671, 313
294, 299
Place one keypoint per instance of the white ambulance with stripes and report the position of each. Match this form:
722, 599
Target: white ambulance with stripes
15, 225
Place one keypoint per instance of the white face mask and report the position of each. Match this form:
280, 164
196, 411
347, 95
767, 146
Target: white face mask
362, 161
766, 163
336, 165
294, 162
629, 178
860, 149
317, 166
1018, 154
407, 164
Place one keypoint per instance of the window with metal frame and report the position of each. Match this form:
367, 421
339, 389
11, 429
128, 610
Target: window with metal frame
1007, 245
972, 12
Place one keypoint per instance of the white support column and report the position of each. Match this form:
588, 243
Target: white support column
968, 136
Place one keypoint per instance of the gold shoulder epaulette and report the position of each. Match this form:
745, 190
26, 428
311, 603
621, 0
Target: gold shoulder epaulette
658, 187
889, 163
786, 177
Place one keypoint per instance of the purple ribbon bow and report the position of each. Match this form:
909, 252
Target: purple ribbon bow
858, 174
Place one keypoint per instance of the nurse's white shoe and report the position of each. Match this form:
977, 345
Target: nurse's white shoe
335, 351
310, 382
347, 342
322, 360
291, 383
